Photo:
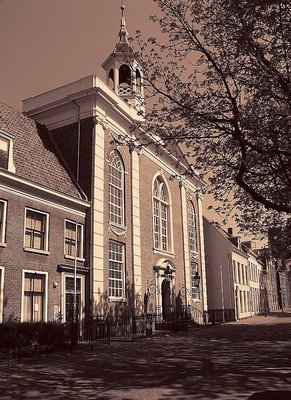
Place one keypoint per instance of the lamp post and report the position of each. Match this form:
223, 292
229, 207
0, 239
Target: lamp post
168, 274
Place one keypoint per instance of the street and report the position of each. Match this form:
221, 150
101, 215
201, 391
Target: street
230, 361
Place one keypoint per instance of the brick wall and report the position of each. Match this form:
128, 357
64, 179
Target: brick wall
15, 259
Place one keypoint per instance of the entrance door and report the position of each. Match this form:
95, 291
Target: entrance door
166, 300
69, 299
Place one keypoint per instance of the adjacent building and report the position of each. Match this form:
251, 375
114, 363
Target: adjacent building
42, 222
234, 275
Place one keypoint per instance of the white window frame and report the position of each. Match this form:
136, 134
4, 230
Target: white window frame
122, 263
2, 270
7, 137
46, 233
192, 230
77, 225
45, 306
161, 214
195, 291
113, 217
65, 275
4, 224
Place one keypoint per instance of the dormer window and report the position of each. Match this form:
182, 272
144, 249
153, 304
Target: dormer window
6, 151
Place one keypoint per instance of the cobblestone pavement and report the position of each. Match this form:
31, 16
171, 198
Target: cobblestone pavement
230, 361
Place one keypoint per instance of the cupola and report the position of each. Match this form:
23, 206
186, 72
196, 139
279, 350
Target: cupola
123, 69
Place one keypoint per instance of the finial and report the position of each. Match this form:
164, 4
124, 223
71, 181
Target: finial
123, 31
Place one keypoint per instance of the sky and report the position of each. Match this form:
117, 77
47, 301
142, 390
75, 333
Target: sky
48, 43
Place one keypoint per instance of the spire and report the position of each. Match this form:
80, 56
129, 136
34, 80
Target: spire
123, 45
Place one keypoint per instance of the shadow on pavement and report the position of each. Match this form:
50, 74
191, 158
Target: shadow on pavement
213, 362
271, 395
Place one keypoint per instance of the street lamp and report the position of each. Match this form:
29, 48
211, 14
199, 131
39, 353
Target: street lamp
168, 273
196, 280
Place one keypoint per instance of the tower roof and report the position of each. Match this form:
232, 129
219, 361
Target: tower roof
123, 46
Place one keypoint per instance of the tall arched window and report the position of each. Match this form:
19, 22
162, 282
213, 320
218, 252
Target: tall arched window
116, 189
192, 229
161, 215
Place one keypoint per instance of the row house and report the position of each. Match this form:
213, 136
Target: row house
142, 246
234, 274
42, 219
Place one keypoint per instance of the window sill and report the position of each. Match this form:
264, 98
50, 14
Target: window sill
80, 259
117, 229
30, 250
166, 253
3, 244
194, 254
117, 300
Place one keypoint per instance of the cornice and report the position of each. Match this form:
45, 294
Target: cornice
21, 186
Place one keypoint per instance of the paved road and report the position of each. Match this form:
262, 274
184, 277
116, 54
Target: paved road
229, 361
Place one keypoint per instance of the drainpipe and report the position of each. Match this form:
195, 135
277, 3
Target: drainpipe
78, 140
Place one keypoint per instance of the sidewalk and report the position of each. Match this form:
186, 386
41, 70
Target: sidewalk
273, 317
229, 361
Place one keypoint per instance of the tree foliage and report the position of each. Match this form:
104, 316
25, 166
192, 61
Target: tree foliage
221, 80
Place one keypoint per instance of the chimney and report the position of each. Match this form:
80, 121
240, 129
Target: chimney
230, 231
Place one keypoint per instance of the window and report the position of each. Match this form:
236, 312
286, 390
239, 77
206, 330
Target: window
239, 273
73, 239
1, 292
116, 189
34, 296
116, 269
234, 271
36, 230
3, 208
6, 151
192, 229
160, 215
194, 287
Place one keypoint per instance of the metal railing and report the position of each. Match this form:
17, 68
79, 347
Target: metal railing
221, 316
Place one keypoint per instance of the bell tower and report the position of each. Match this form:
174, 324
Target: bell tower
123, 70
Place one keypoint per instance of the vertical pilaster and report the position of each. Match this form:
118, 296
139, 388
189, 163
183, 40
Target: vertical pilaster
136, 240
202, 253
97, 218
185, 241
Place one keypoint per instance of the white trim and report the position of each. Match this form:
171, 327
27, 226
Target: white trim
168, 203
46, 238
45, 306
2, 270
4, 225
81, 258
17, 184
163, 165
9, 139
113, 154
122, 297
65, 275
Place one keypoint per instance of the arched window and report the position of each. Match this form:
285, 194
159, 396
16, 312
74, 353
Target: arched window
161, 215
192, 229
124, 74
116, 189
111, 79
138, 80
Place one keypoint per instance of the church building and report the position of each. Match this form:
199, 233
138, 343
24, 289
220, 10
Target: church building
145, 243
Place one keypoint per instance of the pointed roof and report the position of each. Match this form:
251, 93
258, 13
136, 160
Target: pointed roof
34, 155
124, 45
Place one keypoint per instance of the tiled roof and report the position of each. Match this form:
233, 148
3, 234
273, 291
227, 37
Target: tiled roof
34, 155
